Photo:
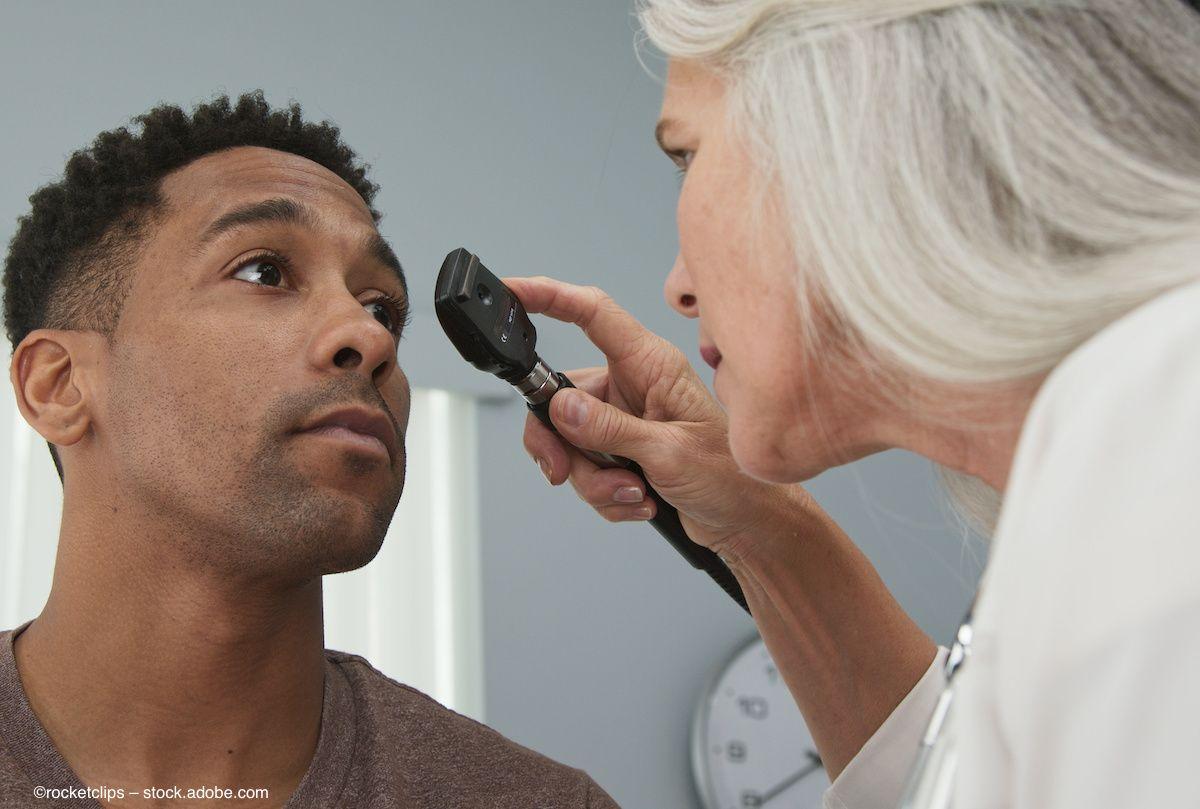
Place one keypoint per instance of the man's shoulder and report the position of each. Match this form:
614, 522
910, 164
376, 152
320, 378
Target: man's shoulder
400, 724
393, 706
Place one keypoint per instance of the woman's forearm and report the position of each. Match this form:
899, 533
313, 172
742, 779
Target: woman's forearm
847, 651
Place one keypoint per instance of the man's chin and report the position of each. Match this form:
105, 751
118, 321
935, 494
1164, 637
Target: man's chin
353, 544
370, 481
334, 533
346, 563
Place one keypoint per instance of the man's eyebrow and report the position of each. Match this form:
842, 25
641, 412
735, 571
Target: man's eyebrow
287, 211
280, 210
381, 251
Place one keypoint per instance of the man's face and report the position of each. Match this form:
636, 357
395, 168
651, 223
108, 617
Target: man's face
244, 325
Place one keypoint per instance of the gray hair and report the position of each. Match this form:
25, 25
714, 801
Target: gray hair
973, 188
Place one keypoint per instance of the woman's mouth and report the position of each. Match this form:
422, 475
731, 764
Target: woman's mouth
711, 355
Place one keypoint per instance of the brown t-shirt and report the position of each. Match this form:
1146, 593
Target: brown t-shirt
382, 745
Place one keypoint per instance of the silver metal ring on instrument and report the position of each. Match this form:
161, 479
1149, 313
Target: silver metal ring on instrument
539, 385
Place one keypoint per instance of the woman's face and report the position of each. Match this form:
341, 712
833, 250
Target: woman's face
790, 418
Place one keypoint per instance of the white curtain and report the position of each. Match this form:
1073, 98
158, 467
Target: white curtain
414, 612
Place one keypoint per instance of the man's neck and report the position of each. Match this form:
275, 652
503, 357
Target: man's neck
154, 674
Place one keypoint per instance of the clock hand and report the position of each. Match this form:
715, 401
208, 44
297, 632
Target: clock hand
770, 794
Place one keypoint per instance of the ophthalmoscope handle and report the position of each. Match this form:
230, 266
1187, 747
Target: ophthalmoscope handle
666, 518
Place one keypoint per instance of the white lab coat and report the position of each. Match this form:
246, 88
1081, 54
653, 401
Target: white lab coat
1083, 686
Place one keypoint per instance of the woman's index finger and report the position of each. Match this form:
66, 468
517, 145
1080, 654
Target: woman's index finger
613, 330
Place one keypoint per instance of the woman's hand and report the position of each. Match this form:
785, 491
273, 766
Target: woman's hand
647, 404
846, 649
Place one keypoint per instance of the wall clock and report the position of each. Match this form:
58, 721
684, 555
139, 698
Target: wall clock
750, 746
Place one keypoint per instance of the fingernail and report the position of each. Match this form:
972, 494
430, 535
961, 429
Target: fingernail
628, 494
642, 513
545, 467
575, 410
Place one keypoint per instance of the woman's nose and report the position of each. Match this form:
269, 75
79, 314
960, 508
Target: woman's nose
680, 294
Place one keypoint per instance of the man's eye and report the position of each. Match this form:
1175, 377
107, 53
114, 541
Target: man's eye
266, 269
391, 312
383, 314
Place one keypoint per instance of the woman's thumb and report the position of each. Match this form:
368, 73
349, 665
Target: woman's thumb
589, 423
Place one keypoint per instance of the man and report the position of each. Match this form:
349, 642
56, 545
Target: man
205, 324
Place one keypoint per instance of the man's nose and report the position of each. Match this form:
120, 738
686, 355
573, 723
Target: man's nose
680, 294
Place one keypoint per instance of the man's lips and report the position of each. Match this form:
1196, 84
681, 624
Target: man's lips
711, 355
365, 427
353, 437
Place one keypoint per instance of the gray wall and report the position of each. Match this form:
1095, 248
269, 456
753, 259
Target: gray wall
523, 131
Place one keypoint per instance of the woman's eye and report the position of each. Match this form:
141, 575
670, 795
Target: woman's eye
682, 161
267, 270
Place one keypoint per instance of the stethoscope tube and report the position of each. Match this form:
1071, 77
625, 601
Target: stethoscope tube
539, 388
931, 779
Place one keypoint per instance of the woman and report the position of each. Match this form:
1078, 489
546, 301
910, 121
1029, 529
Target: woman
969, 230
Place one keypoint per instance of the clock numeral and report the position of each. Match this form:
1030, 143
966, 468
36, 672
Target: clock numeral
736, 752
772, 674
750, 799
753, 707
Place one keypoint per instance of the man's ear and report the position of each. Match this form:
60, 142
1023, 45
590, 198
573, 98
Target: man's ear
51, 374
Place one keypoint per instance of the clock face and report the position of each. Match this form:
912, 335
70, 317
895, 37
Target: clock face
750, 746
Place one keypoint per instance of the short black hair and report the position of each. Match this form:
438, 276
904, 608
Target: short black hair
69, 265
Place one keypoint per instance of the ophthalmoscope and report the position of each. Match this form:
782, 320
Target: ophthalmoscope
491, 329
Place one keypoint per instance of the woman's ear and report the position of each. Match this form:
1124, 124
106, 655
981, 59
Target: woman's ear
50, 375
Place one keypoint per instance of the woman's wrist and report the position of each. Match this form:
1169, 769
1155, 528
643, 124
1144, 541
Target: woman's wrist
846, 649
778, 516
